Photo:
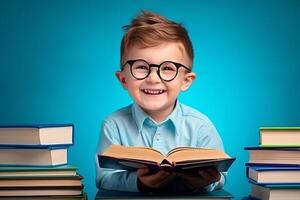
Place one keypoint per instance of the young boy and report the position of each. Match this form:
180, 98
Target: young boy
156, 65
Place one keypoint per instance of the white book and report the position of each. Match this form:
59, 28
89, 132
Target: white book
37, 135
33, 156
275, 192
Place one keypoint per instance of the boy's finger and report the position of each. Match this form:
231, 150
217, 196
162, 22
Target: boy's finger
156, 179
187, 177
205, 175
167, 181
214, 173
143, 171
208, 176
161, 175
202, 173
192, 182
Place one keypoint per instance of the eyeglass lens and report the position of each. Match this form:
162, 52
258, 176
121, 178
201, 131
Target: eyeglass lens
141, 69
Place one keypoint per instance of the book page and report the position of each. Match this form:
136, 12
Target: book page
179, 149
194, 154
135, 153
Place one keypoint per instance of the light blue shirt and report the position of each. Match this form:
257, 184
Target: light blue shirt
131, 126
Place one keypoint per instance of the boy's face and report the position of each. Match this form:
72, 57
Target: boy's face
153, 95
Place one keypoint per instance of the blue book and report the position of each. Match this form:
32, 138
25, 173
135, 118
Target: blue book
274, 175
114, 195
271, 165
37, 136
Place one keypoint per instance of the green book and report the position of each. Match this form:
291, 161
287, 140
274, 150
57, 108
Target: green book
65, 170
279, 136
114, 195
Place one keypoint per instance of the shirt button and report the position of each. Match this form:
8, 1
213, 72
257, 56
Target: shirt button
157, 137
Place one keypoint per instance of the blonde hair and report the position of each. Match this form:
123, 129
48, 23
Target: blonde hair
149, 29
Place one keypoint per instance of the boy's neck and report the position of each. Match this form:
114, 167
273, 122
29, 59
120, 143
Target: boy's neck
159, 116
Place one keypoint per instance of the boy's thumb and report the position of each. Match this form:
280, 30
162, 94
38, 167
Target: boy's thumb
142, 171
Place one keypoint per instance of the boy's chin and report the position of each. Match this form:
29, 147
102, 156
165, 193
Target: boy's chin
153, 107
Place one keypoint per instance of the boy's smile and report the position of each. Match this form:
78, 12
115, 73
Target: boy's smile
153, 91
155, 96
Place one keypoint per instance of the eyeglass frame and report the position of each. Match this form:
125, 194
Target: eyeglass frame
177, 65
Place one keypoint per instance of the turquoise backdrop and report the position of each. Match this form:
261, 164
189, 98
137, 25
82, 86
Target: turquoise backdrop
58, 59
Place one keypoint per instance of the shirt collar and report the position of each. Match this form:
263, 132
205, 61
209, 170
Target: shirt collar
175, 117
140, 116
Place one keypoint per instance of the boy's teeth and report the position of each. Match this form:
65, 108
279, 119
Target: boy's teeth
153, 91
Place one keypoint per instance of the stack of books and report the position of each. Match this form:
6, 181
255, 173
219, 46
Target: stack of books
273, 168
33, 163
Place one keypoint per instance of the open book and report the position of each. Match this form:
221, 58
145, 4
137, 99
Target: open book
178, 159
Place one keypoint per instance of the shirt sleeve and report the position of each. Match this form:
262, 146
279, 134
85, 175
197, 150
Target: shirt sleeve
209, 138
111, 179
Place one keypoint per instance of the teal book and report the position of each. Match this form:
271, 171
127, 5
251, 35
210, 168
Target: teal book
114, 195
13, 171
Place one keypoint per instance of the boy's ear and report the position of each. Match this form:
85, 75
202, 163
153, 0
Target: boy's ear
188, 80
120, 76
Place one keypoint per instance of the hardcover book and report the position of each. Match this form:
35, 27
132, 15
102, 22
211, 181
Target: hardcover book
41, 191
280, 136
64, 170
275, 192
178, 159
33, 156
37, 135
274, 175
17, 181
274, 155
54, 197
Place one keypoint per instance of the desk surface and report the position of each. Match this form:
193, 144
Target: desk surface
107, 194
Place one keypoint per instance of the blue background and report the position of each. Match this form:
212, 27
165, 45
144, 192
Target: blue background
58, 58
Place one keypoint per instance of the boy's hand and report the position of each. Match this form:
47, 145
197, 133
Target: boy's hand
204, 178
156, 181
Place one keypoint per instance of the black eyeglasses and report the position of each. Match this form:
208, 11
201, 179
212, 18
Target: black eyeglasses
141, 69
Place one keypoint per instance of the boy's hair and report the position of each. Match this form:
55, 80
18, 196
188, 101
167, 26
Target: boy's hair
149, 29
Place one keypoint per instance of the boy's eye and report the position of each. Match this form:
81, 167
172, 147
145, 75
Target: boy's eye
168, 68
142, 67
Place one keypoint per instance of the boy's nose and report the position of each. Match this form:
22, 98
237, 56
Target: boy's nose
153, 76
